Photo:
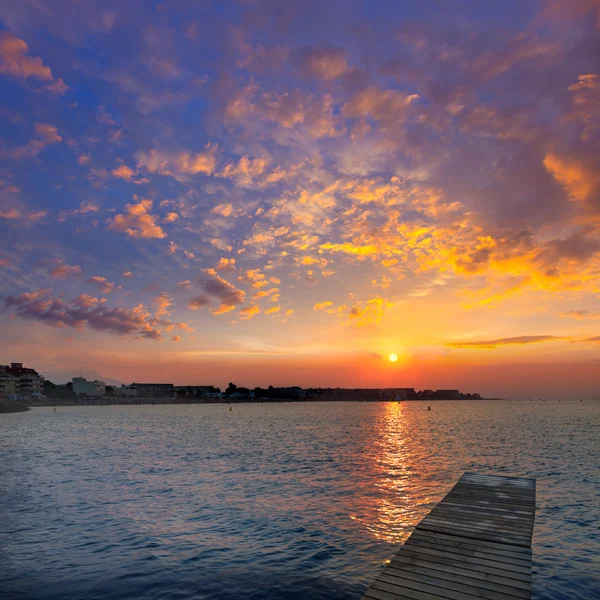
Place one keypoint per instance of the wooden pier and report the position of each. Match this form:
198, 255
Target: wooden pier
476, 543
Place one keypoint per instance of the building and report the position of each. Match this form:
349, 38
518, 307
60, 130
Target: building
447, 394
8, 383
154, 390
126, 391
27, 381
83, 387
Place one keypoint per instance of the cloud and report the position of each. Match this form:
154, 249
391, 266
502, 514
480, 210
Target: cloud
199, 301
247, 312
137, 221
581, 182
369, 312
179, 165
519, 340
127, 274
226, 264
254, 277
592, 339
387, 106
175, 338
245, 172
63, 271
217, 287
105, 286
85, 207
325, 63
46, 135
582, 314
15, 61
295, 109
170, 217
162, 303
323, 305
273, 310
81, 312
15, 214
185, 285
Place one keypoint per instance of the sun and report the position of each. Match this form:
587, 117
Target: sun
393, 357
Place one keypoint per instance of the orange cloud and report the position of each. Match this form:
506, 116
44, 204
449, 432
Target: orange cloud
46, 134
179, 165
14, 214
105, 285
323, 305
255, 278
15, 61
369, 312
162, 303
63, 271
325, 63
226, 264
519, 340
250, 311
582, 314
273, 310
137, 221
175, 338
84, 208
578, 180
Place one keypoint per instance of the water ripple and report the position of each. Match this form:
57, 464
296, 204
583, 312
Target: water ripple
278, 501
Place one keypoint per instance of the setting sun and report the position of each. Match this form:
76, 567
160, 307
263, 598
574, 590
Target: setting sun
393, 357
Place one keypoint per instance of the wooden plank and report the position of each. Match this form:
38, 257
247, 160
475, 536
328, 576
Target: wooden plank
467, 559
402, 560
475, 543
490, 591
429, 535
469, 545
475, 535
476, 516
462, 578
476, 526
524, 562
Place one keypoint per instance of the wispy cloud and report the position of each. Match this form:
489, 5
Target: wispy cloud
518, 340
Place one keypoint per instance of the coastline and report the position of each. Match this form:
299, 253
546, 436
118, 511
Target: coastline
6, 408
179, 401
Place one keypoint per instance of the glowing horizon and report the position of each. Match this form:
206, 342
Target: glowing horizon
292, 196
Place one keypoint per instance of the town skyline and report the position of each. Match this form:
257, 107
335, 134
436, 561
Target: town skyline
290, 197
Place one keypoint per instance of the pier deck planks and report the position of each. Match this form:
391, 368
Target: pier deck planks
476, 543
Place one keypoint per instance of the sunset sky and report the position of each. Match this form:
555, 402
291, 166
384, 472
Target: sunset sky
287, 192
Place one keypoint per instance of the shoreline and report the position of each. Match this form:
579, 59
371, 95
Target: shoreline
167, 401
13, 408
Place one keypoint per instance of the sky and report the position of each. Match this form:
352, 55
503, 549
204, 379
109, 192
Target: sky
285, 193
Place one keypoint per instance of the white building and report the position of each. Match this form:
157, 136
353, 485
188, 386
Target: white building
83, 387
126, 391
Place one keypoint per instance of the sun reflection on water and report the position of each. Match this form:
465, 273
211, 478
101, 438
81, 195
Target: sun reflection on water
401, 497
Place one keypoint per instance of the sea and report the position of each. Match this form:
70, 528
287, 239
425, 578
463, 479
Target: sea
282, 501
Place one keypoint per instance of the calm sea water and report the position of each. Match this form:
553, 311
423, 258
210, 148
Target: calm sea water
284, 501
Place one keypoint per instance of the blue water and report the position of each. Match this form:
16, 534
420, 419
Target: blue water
283, 501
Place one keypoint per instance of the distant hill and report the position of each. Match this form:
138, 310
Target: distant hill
60, 377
